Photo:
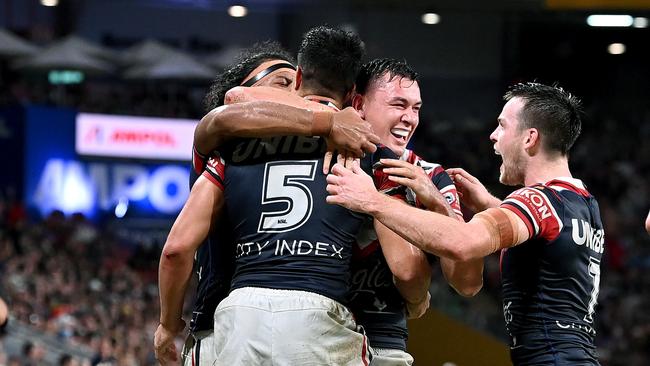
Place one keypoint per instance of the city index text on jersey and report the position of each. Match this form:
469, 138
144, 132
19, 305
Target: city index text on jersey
283, 247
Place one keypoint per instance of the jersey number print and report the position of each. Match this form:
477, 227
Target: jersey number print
283, 184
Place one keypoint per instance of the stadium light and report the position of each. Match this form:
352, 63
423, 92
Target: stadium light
616, 49
430, 18
49, 2
640, 22
604, 20
122, 207
237, 11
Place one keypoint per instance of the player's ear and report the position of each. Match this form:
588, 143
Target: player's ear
298, 82
357, 103
532, 140
347, 98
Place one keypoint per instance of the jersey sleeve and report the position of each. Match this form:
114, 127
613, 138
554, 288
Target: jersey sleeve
446, 186
371, 164
536, 209
215, 171
198, 160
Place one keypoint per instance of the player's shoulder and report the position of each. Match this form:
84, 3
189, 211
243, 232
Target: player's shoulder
535, 195
539, 207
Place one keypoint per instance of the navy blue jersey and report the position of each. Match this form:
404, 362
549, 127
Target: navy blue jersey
551, 281
285, 235
374, 299
214, 258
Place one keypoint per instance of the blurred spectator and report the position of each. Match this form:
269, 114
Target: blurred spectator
67, 360
33, 354
106, 354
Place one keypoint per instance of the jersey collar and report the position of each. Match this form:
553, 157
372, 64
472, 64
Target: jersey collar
568, 183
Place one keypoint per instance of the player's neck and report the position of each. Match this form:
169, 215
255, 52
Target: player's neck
314, 95
545, 169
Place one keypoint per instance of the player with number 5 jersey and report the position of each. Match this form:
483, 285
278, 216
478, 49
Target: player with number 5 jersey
292, 250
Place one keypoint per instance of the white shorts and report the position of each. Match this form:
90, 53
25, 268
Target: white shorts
260, 326
199, 349
390, 357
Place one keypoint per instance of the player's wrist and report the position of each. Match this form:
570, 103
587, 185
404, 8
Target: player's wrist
173, 326
322, 123
377, 204
418, 301
491, 202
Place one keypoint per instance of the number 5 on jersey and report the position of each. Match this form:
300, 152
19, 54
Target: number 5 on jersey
282, 184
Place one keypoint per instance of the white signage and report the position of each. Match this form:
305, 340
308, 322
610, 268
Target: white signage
134, 137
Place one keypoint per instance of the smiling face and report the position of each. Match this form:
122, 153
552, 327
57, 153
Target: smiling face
282, 78
392, 107
508, 141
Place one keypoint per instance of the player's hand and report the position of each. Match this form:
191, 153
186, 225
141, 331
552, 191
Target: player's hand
163, 343
350, 133
351, 188
471, 191
344, 158
414, 311
414, 177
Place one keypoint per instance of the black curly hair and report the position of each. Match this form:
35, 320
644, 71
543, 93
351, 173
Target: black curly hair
330, 59
244, 64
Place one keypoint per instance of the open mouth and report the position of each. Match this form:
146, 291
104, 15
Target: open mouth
400, 133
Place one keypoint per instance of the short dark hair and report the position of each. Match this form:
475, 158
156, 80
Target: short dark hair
244, 64
554, 112
330, 59
377, 68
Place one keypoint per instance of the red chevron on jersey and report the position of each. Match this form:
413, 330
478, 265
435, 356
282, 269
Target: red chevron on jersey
382, 182
534, 208
215, 171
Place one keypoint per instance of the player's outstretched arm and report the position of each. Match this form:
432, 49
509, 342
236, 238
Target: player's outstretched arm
410, 268
434, 233
175, 268
472, 192
267, 112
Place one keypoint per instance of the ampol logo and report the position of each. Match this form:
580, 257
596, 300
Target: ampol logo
143, 137
95, 134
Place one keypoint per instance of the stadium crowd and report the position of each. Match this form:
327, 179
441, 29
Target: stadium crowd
67, 279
